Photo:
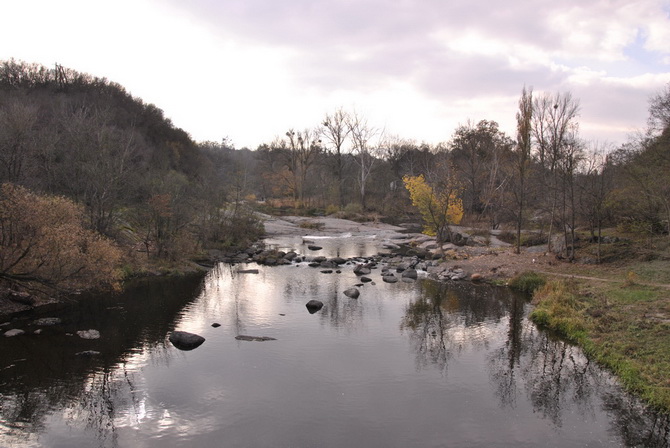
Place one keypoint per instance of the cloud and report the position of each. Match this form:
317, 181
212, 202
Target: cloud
250, 69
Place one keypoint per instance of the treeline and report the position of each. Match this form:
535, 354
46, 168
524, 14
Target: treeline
147, 186
546, 178
139, 180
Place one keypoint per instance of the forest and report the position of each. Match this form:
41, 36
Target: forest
96, 183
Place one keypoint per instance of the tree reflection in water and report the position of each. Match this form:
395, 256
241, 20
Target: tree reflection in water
554, 376
445, 319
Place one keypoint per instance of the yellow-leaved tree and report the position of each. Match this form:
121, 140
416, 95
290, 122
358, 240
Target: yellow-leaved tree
439, 204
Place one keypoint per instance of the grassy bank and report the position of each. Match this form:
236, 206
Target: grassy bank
624, 326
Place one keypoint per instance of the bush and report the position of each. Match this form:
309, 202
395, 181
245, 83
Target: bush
43, 241
527, 282
332, 209
353, 208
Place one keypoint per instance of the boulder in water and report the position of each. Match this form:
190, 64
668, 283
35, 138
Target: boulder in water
184, 340
314, 305
352, 293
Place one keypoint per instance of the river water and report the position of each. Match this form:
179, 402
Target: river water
417, 364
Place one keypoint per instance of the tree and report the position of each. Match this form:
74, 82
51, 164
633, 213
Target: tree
594, 187
336, 131
438, 204
43, 242
19, 136
362, 135
477, 151
524, 118
554, 129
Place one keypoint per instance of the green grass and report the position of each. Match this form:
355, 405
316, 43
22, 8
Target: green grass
623, 328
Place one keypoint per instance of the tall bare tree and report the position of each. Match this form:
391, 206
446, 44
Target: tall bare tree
524, 117
364, 138
335, 132
554, 124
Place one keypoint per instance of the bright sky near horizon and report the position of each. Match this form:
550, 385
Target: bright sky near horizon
251, 69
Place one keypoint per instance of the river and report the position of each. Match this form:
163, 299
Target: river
418, 364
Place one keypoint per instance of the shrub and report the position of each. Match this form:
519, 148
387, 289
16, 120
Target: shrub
43, 241
527, 282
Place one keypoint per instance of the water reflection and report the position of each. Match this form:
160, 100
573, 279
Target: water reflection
422, 364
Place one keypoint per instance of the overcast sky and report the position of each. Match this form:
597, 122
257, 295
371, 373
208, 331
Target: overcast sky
251, 69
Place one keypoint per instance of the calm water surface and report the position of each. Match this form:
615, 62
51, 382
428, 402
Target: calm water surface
406, 365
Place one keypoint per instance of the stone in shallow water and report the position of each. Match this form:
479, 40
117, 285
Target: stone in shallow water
89, 334
314, 305
14, 332
352, 292
184, 340
242, 337
47, 321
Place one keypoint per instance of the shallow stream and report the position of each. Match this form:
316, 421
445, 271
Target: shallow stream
417, 364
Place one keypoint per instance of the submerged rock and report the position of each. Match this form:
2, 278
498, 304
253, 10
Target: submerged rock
13, 332
88, 353
184, 340
242, 337
314, 247
390, 279
314, 305
89, 334
47, 321
352, 293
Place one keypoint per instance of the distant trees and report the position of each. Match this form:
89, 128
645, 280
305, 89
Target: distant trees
478, 152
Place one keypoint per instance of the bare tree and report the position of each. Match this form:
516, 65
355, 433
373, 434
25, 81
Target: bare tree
522, 160
304, 147
364, 148
593, 188
336, 131
554, 123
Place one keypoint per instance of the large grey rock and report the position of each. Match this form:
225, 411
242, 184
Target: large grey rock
410, 273
362, 269
390, 279
184, 340
352, 293
314, 305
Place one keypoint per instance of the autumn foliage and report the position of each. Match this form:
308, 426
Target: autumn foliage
43, 242
439, 206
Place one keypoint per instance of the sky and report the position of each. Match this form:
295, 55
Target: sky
249, 70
